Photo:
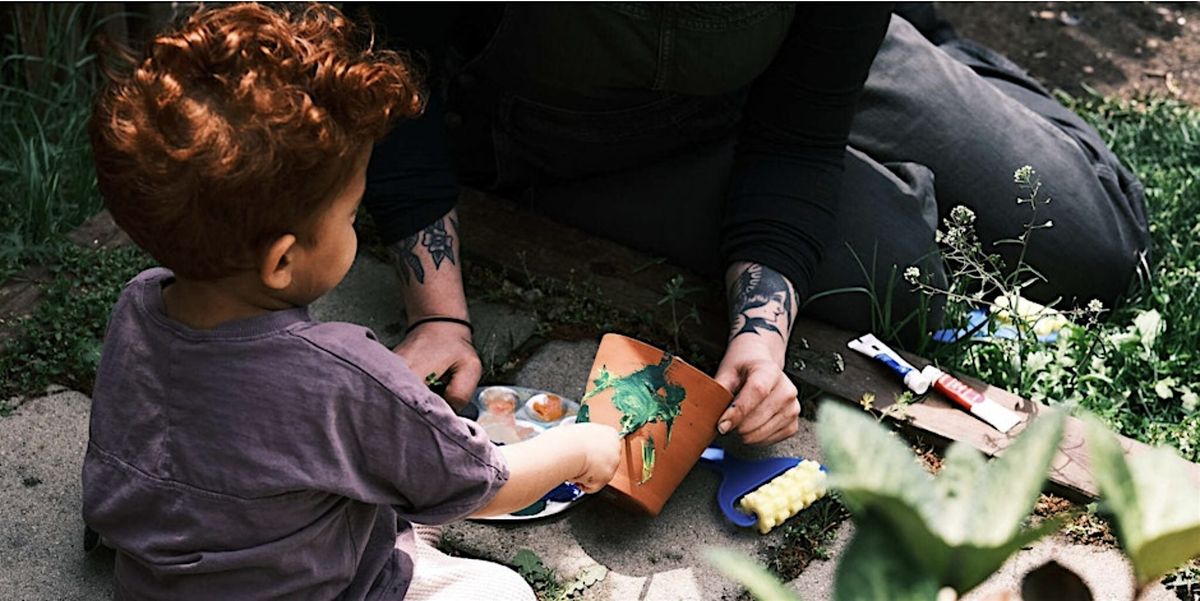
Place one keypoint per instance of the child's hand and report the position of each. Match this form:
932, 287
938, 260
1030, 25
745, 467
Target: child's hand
600, 446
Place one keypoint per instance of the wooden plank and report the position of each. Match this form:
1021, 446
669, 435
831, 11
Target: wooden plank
498, 234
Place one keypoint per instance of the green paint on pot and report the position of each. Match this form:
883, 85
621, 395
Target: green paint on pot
647, 459
643, 397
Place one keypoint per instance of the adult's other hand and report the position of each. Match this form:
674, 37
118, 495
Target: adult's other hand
765, 409
444, 350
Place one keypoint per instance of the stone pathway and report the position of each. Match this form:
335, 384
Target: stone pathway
41, 528
661, 559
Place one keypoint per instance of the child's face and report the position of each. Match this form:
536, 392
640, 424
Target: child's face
327, 257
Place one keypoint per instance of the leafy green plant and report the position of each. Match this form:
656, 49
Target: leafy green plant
956, 528
546, 584
674, 292
1153, 500
47, 181
60, 342
921, 537
1133, 365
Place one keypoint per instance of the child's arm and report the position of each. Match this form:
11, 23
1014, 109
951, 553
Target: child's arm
586, 454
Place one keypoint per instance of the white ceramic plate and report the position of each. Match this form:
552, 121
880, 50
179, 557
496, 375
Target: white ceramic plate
491, 406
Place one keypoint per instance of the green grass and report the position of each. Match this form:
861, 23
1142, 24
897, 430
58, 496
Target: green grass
1141, 378
47, 184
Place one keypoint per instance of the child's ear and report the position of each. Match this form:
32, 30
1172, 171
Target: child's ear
276, 265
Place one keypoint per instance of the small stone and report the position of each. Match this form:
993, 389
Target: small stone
1068, 20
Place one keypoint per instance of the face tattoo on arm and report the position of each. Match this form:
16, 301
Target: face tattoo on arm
438, 244
761, 300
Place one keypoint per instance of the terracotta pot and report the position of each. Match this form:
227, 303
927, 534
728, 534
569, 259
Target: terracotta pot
641, 391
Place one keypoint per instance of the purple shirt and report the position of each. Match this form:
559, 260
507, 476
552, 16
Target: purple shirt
269, 458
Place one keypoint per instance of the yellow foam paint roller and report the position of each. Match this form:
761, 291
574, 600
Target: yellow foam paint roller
766, 492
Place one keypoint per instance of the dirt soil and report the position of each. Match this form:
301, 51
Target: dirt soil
1125, 49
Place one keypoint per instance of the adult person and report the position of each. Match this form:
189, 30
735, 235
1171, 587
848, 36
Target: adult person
725, 138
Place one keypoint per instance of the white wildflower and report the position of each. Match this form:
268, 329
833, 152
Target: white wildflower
1189, 400
1095, 306
1163, 388
912, 274
1149, 324
962, 215
1038, 360
1023, 175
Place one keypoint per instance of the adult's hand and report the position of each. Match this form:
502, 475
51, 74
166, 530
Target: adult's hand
765, 409
762, 309
428, 262
444, 350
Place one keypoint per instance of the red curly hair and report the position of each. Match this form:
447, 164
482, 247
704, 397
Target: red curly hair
237, 127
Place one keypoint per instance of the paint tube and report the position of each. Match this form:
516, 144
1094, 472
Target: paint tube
870, 346
998, 416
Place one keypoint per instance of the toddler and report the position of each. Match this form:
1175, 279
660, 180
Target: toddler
238, 449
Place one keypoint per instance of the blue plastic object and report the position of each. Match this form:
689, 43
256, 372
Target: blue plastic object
564, 493
977, 329
740, 477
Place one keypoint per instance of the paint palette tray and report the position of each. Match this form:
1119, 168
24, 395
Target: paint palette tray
510, 414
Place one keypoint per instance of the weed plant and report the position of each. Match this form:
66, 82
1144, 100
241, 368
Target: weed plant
47, 181
60, 342
1134, 365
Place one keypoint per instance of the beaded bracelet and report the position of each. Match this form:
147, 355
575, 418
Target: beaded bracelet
462, 322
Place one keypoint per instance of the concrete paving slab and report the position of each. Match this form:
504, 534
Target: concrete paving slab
41, 528
370, 296
1106, 571
665, 554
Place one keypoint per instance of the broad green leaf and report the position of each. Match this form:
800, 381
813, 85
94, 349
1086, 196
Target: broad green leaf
955, 485
762, 584
1005, 491
1114, 481
903, 524
962, 566
1154, 500
1161, 554
875, 567
958, 528
971, 564
862, 455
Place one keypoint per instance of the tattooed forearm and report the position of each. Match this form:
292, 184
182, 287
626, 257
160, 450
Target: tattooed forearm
438, 244
760, 300
410, 263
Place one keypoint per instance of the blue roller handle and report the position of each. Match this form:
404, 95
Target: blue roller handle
740, 477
